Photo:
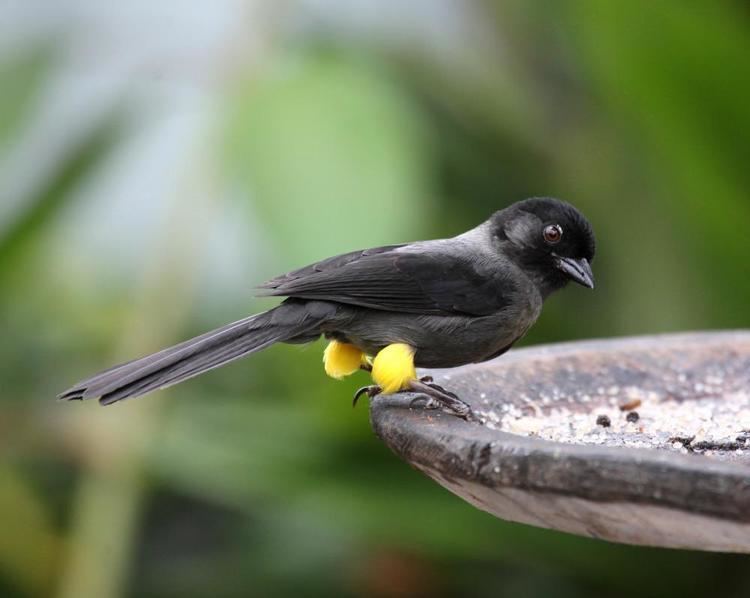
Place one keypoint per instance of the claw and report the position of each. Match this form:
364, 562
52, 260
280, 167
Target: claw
447, 399
426, 379
371, 391
427, 402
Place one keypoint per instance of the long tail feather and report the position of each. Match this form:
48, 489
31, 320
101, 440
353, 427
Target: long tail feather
198, 355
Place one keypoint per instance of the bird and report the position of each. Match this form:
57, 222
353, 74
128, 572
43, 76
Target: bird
388, 310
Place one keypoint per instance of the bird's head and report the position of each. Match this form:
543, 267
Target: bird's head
549, 239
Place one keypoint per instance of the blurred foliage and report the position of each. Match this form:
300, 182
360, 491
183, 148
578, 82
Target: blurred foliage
258, 479
19, 78
330, 139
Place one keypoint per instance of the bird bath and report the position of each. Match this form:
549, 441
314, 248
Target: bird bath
638, 440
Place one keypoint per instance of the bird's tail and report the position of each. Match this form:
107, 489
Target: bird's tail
289, 321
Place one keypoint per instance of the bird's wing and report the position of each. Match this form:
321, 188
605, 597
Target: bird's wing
387, 278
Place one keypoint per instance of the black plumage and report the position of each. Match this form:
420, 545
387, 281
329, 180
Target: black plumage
459, 300
401, 280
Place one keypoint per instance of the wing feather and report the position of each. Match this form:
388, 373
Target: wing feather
393, 278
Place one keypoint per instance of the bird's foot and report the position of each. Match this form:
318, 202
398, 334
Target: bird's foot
371, 391
437, 396
432, 396
425, 402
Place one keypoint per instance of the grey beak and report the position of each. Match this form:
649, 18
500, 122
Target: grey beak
577, 270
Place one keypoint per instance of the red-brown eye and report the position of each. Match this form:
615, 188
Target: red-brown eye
553, 233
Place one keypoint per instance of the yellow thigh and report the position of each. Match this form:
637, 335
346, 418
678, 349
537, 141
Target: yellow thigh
393, 368
341, 359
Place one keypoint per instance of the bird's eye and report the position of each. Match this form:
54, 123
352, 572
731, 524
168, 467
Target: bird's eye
552, 234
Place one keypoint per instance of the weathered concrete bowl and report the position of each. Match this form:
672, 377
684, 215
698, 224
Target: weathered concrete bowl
677, 474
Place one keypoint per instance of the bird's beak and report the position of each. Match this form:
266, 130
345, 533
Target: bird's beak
577, 270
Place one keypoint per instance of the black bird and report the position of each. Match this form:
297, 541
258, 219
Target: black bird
439, 303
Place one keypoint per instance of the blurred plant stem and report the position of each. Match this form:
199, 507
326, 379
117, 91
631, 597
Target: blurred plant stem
111, 441
29, 545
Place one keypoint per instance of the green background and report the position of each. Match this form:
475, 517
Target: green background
316, 137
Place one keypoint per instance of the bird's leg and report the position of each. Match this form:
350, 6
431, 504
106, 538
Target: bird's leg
428, 381
444, 397
393, 371
428, 402
372, 390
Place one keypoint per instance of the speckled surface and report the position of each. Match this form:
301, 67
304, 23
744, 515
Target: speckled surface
687, 452
689, 399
